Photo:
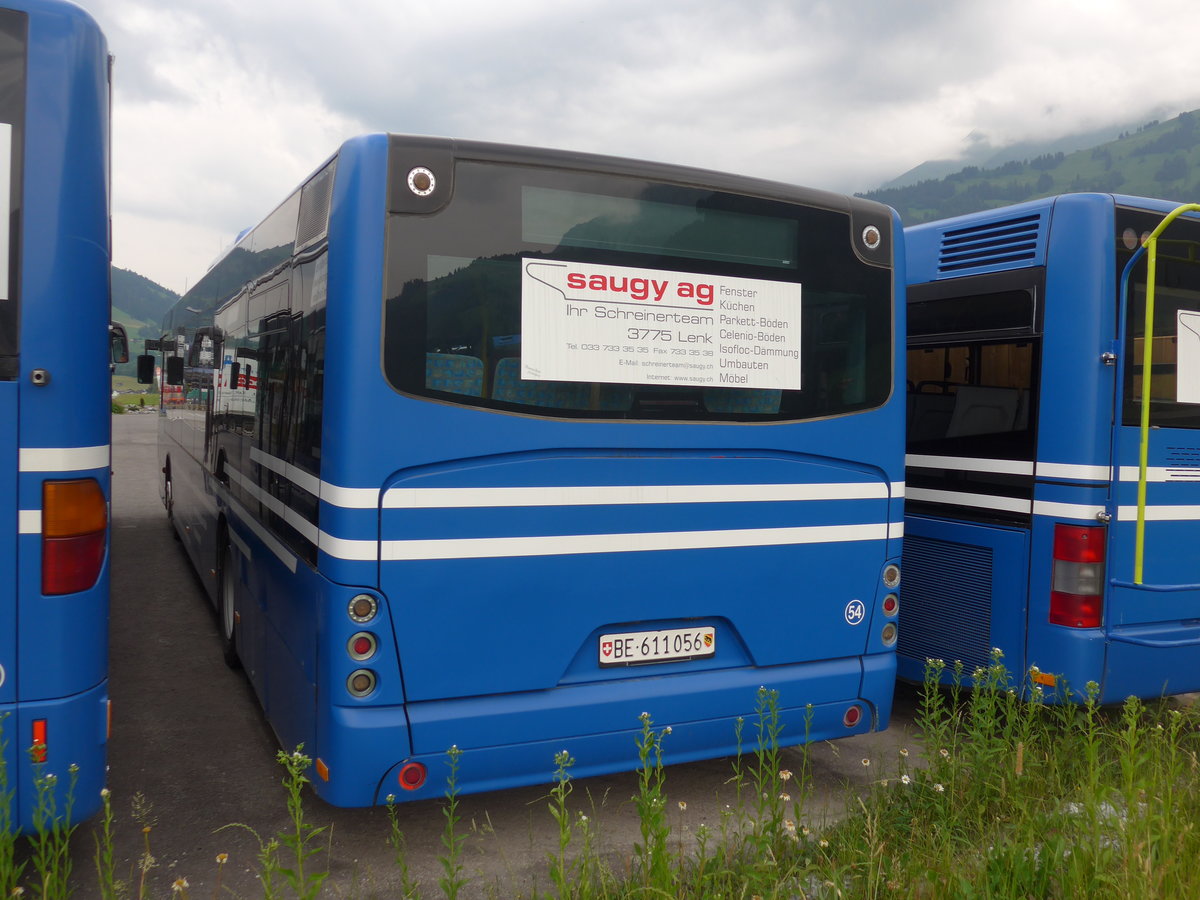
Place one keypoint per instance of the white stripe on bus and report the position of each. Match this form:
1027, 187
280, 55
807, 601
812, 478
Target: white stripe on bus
1074, 472
1081, 511
63, 459
1162, 473
634, 542
1065, 471
981, 501
294, 474
277, 506
29, 521
622, 495
970, 464
268, 539
1160, 513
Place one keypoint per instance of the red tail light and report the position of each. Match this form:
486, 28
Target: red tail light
1077, 591
74, 531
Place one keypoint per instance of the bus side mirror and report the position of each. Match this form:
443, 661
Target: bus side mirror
118, 342
235, 369
175, 370
145, 368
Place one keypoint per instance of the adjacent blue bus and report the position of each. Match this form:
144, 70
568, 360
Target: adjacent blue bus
496, 448
1025, 398
54, 403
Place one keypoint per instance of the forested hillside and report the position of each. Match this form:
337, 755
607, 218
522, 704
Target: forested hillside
1159, 159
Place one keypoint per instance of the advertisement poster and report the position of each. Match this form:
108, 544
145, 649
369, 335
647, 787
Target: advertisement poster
1188, 342
626, 325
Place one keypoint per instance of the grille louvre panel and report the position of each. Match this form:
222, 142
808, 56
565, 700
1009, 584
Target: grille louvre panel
315, 199
946, 606
1007, 242
1183, 463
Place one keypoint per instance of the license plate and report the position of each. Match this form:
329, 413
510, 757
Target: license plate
634, 647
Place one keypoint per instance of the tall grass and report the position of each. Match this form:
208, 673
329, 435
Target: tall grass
1003, 796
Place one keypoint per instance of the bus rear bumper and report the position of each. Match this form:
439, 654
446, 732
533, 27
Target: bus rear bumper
1152, 661
511, 740
76, 730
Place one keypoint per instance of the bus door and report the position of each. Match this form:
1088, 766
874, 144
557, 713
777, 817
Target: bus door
973, 364
1152, 617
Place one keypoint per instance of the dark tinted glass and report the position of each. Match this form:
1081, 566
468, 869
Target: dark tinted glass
13, 29
453, 321
1003, 311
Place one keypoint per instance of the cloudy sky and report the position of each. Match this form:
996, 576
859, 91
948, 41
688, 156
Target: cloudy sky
221, 107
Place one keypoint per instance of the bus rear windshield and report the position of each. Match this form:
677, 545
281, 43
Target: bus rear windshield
558, 293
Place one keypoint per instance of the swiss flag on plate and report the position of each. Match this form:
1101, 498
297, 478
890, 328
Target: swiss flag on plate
606, 648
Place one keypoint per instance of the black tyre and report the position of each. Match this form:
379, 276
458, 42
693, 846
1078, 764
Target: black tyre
227, 603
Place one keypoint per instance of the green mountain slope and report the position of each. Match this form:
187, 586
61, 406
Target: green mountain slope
138, 302
1160, 159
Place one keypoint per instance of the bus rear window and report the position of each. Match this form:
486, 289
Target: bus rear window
583, 295
682, 231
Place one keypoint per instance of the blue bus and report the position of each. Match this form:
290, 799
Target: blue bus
54, 402
1027, 367
497, 448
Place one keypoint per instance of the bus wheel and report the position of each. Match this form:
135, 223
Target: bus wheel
226, 606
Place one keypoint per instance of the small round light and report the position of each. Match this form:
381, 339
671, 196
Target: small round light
421, 181
891, 603
412, 776
891, 575
872, 237
1129, 238
853, 716
362, 646
889, 634
363, 608
361, 682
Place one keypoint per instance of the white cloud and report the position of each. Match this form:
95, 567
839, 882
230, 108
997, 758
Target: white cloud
223, 106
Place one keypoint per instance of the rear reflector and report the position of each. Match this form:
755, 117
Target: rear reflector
37, 750
1077, 591
74, 533
412, 776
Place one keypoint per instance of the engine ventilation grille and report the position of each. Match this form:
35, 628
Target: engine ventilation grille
946, 611
1010, 243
